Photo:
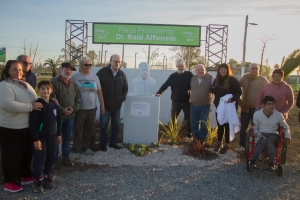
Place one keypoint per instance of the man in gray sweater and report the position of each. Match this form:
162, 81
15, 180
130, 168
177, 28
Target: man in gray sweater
266, 121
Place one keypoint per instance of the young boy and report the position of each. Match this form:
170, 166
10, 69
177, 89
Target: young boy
266, 123
45, 131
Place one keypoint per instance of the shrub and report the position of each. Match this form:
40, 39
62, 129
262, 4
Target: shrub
172, 131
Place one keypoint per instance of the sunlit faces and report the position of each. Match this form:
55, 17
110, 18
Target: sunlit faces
66, 72
269, 107
254, 69
277, 78
45, 91
87, 67
26, 63
200, 70
115, 62
16, 71
180, 67
223, 71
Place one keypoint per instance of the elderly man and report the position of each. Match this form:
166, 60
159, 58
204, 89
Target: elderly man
68, 96
201, 100
26, 65
114, 88
251, 84
180, 86
143, 84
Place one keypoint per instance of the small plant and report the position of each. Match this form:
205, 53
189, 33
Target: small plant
139, 149
173, 130
211, 133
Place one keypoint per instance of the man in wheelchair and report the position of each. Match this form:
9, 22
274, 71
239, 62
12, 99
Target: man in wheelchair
266, 121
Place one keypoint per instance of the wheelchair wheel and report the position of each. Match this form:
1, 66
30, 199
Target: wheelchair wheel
283, 153
279, 170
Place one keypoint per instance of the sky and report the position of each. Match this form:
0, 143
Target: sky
43, 23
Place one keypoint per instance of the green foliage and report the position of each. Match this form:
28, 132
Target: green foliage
93, 56
291, 63
172, 131
139, 149
211, 132
234, 63
53, 64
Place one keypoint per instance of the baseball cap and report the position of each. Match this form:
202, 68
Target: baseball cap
68, 64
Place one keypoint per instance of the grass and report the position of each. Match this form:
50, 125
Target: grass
139, 149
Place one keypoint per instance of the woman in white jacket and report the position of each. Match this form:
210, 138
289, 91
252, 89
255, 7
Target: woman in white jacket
225, 84
17, 99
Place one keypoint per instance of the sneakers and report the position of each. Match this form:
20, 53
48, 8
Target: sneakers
240, 148
271, 167
217, 147
252, 164
224, 149
48, 183
11, 187
67, 162
37, 186
29, 180
115, 146
103, 148
76, 156
89, 152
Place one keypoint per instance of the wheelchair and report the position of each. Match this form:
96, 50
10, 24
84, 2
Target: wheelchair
280, 150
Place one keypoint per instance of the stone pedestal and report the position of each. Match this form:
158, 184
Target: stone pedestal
141, 119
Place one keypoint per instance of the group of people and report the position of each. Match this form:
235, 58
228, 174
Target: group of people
33, 126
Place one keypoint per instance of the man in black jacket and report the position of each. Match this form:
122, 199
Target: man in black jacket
26, 65
114, 88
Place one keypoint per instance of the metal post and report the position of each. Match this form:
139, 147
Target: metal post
244, 47
164, 61
135, 60
105, 58
148, 55
123, 56
188, 59
101, 55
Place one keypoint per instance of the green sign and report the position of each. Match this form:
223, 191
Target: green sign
150, 34
2, 54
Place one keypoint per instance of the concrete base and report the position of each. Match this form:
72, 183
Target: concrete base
141, 119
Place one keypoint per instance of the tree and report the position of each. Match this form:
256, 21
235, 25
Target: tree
153, 55
265, 41
291, 62
266, 71
93, 56
182, 53
276, 66
76, 52
30, 50
53, 65
234, 63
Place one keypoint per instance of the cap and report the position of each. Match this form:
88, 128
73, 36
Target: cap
68, 64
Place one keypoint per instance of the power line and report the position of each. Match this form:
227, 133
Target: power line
23, 48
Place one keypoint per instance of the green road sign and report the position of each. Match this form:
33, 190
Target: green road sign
149, 34
2, 54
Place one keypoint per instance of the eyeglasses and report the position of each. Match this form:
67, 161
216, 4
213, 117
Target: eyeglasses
116, 62
270, 104
26, 63
87, 65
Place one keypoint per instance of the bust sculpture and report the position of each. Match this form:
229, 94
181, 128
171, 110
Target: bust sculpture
143, 83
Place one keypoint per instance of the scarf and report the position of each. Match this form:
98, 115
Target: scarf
246, 92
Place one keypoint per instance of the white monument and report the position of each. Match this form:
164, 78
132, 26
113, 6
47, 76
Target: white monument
143, 83
141, 114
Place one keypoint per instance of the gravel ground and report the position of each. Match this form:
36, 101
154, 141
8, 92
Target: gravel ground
166, 174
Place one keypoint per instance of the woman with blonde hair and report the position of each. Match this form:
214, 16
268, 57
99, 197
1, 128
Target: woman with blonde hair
225, 84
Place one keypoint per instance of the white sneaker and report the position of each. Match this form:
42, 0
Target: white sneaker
76, 156
89, 152
240, 148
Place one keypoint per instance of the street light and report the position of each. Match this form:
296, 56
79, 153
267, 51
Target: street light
105, 58
244, 46
135, 60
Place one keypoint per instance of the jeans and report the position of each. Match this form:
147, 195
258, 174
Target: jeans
45, 158
115, 126
66, 129
83, 129
245, 119
269, 140
177, 107
198, 113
